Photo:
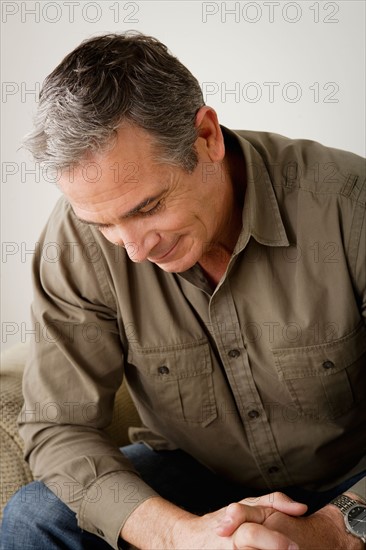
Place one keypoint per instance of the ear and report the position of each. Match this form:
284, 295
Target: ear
210, 138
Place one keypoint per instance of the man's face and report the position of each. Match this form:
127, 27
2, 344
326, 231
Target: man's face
157, 212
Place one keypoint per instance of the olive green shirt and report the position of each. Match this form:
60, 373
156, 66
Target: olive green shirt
262, 379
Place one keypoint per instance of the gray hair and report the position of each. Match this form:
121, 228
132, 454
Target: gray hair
109, 80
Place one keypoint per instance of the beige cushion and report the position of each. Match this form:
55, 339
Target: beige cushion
14, 471
13, 359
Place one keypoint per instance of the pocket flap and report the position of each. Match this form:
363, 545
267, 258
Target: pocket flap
323, 359
173, 363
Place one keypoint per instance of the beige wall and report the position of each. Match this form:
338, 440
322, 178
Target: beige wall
302, 61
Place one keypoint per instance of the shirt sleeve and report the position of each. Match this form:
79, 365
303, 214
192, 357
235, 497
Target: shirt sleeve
71, 377
359, 489
357, 263
357, 259
360, 266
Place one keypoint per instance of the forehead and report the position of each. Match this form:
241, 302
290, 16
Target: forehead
128, 168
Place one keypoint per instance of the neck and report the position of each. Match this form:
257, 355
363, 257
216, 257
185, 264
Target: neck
216, 259
214, 265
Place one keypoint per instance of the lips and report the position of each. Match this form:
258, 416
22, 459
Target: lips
158, 259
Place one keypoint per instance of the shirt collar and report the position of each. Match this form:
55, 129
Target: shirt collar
261, 215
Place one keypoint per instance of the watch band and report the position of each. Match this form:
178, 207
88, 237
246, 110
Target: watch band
344, 503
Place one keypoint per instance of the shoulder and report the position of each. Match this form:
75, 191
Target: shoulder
62, 222
65, 229
310, 165
69, 248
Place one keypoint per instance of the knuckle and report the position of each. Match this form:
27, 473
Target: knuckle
250, 531
236, 511
235, 508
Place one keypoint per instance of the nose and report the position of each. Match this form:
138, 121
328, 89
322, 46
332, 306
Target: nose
137, 241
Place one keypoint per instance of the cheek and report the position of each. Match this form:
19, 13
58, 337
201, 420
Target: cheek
183, 221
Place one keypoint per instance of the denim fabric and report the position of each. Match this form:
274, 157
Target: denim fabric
35, 519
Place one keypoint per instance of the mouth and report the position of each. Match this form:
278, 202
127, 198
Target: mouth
165, 256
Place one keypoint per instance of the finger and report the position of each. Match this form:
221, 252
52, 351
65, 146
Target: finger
278, 501
257, 536
236, 514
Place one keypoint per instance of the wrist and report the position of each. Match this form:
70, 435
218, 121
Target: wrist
154, 524
346, 538
181, 529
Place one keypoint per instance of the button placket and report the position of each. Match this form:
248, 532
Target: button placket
235, 359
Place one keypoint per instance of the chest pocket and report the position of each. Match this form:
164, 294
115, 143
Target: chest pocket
174, 382
328, 379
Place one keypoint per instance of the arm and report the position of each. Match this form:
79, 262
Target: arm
158, 524
72, 375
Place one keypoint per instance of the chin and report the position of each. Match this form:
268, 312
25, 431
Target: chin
179, 265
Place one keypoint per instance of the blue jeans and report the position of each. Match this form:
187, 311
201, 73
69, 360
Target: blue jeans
35, 519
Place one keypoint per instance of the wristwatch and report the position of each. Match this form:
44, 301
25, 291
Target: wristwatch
354, 515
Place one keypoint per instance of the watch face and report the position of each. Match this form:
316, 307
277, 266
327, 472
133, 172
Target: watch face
357, 520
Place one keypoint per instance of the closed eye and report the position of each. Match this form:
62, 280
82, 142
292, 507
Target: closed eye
152, 210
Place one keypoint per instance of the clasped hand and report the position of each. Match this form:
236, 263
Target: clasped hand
246, 522
240, 526
270, 522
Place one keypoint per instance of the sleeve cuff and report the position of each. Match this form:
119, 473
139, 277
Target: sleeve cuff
109, 501
359, 489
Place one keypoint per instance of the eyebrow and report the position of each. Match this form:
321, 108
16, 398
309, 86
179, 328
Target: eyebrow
132, 212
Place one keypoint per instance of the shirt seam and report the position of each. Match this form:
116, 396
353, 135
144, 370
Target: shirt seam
329, 192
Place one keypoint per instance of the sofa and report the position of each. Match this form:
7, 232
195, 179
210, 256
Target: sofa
14, 471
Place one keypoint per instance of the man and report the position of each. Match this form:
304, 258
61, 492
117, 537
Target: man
224, 274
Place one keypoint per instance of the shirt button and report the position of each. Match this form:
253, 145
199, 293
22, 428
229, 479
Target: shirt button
234, 353
328, 365
163, 370
253, 414
273, 470
100, 532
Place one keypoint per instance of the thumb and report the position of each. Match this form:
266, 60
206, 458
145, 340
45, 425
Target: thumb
278, 501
